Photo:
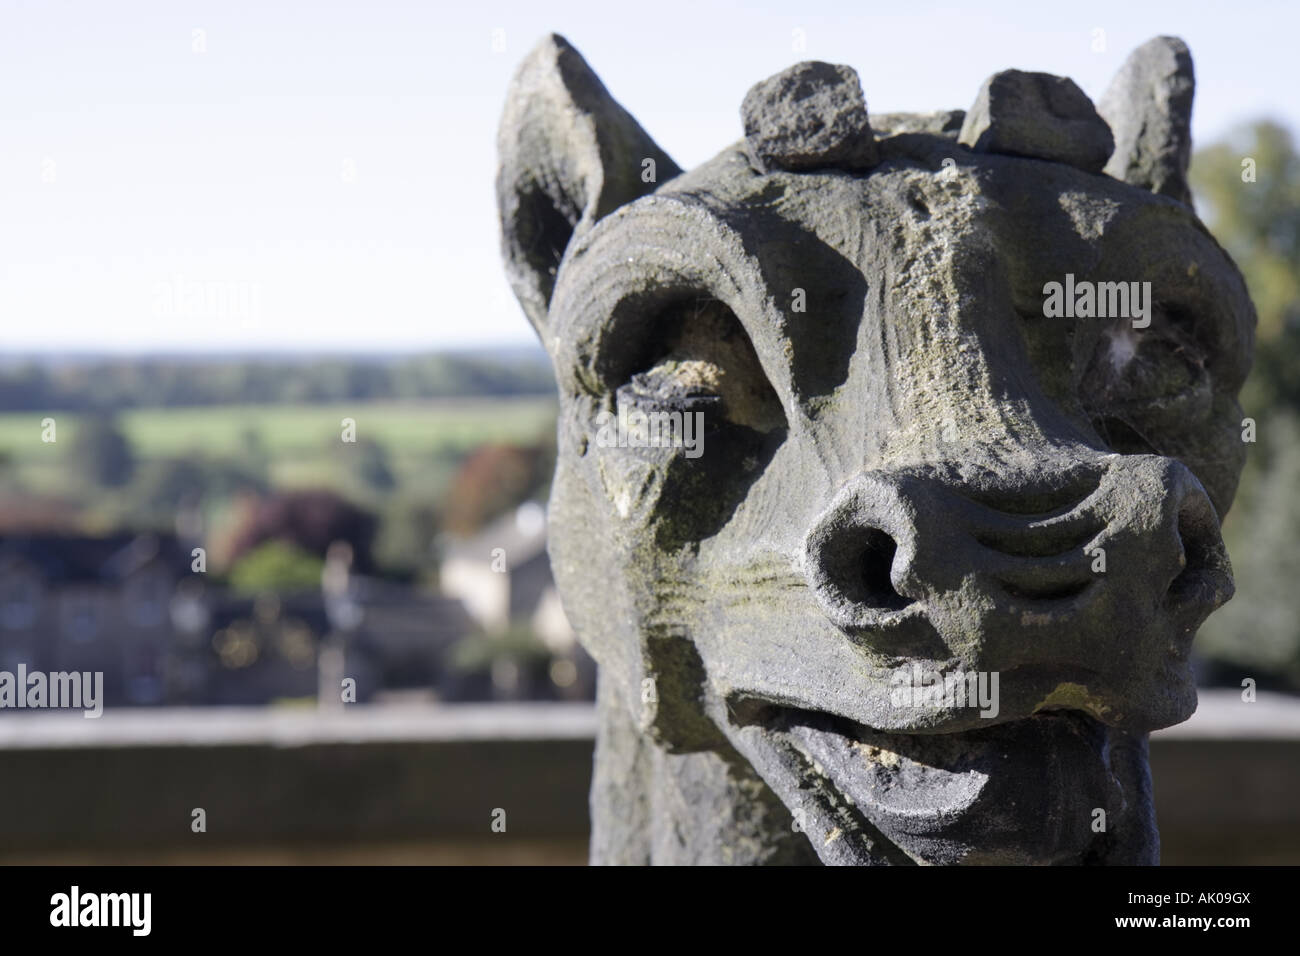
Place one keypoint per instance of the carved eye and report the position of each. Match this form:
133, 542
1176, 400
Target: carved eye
693, 375
701, 361
1142, 383
1160, 361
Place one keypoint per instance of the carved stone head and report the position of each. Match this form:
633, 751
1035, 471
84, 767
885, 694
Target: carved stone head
891, 458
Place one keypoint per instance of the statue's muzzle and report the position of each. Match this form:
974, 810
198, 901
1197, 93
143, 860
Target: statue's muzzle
1082, 591
1037, 628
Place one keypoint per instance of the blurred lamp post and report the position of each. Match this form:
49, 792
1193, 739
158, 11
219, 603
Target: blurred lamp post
344, 614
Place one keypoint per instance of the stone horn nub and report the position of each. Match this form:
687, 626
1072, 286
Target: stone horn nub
810, 116
1149, 108
1040, 116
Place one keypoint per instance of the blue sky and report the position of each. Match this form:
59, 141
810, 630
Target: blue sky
264, 175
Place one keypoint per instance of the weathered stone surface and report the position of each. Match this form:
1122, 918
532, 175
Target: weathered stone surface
1149, 108
569, 154
909, 472
1038, 115
811, 116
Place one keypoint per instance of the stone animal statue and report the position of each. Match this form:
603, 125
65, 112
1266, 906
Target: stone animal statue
927, 572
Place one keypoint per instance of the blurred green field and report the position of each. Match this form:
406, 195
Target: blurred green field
405, 427
301, 442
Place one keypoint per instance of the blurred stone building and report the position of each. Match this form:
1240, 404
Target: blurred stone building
502, 576
71, 602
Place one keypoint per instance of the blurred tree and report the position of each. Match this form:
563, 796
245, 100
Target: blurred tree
276, 566
311, 521
164, 485
150, 382
492, 480
406, 535
1258, 633
1248, 190
254, 457
1259, 224
369, 465
101, 452
509, 665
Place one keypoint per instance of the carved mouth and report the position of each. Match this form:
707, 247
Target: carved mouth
1048, 789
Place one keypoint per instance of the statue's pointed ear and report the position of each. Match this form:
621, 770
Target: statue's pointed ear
1149, 109
569, 155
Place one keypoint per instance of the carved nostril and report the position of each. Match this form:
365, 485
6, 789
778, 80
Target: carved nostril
877, 562
858, 548
856, 567
1206, 571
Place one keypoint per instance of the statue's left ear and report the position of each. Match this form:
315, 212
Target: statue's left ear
1149, 109
569, 155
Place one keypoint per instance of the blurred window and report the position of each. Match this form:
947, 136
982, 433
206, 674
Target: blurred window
80, 617
20, 595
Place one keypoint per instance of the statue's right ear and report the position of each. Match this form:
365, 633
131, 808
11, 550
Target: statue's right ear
569, 155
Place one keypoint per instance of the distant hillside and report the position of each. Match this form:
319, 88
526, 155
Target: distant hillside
74, 383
